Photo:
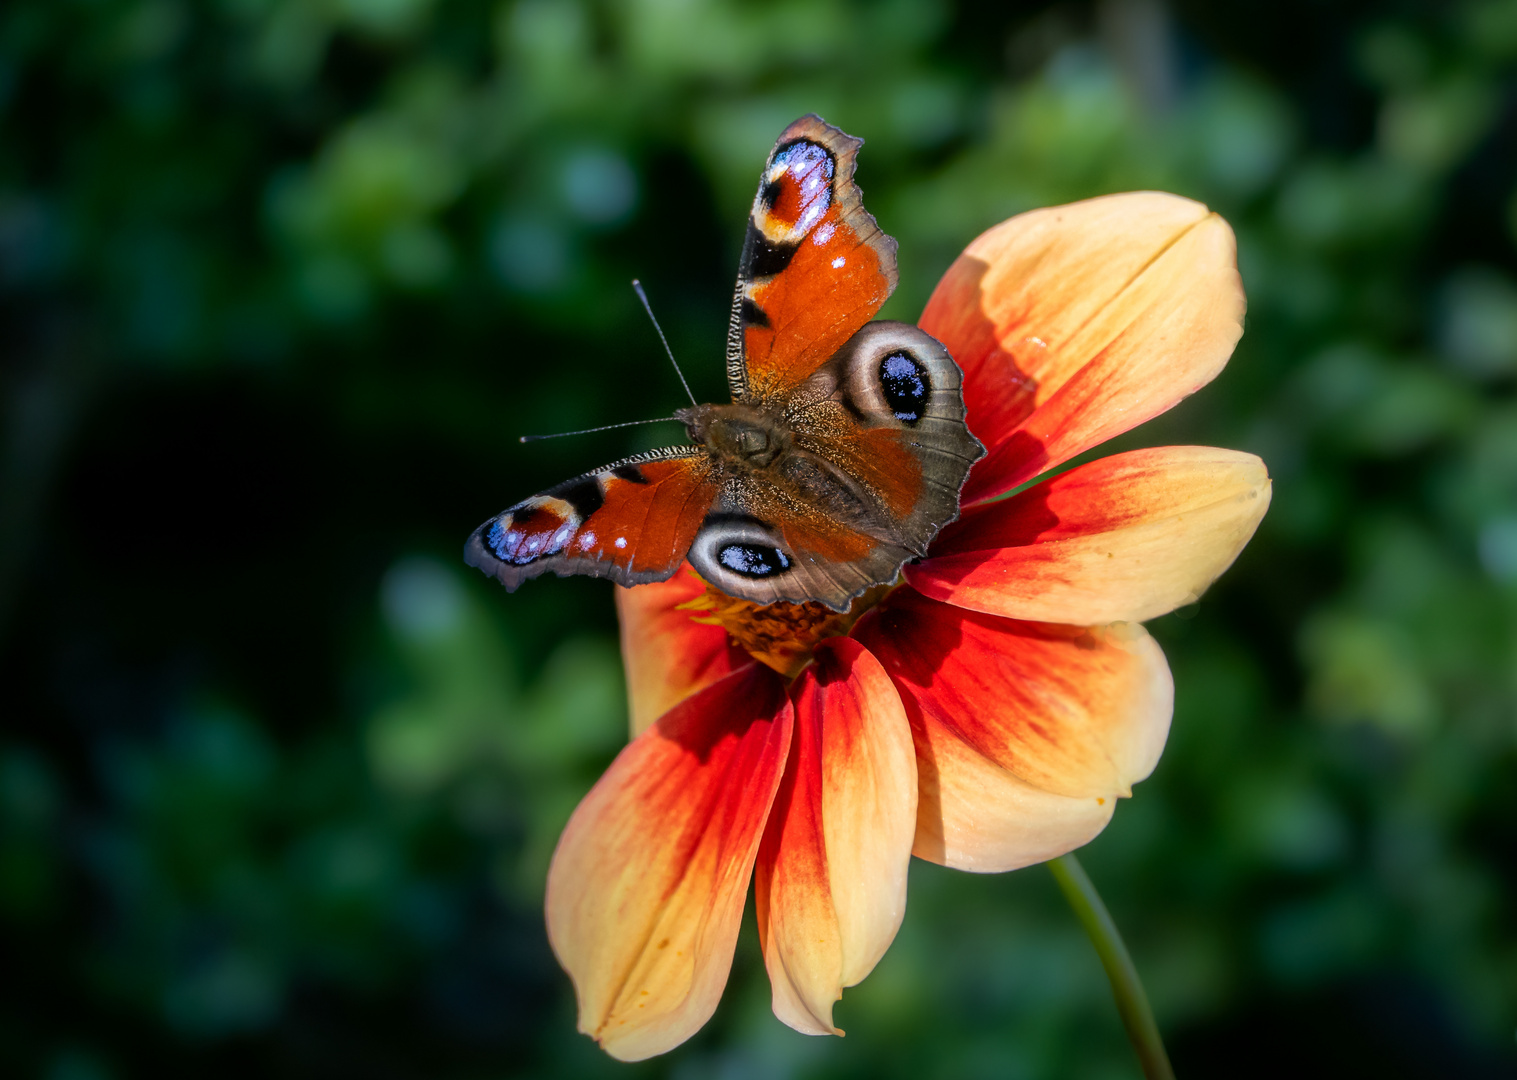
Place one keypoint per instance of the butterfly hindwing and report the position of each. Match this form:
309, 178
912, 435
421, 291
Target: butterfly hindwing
879, 452
631, 522
888, 412
815, 266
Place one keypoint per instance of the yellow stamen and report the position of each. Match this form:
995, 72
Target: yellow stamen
781, 635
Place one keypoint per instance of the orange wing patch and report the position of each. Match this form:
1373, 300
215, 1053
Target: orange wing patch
815, 535
815, 265
631, 522
879, 458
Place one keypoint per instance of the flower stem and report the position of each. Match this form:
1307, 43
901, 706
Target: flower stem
1132, 1002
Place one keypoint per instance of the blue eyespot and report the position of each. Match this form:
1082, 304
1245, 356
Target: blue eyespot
753, 561
905, 385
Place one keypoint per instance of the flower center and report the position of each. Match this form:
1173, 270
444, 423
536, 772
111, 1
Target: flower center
781, 635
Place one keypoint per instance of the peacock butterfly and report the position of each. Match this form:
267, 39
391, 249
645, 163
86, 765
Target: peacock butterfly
841, 454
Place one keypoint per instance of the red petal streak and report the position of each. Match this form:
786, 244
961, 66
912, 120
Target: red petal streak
647, 884
1126, 538
1006, 713
667, 654
830, 886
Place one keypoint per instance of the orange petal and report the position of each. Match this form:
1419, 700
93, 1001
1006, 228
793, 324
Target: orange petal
1009, 716
830, 886
647, 884
974, 815
667, 654
1078, 322
1126, 538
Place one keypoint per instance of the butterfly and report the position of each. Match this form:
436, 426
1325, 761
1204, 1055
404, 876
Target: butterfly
843, 449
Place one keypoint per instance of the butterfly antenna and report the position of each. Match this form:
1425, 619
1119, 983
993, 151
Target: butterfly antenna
637, 287
592, 430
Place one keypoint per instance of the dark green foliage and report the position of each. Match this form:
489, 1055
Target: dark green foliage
281, 281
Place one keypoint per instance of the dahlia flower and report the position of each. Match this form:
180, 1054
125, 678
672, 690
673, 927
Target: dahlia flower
986, 712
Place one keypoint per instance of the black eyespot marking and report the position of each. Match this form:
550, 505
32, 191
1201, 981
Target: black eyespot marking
753, 315
630, 473
762, 258
522, 516
752, 560
583, 494
769, 194
905, 385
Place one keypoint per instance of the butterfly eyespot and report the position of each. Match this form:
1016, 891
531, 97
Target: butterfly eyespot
905, 384
735, 553
752, 560
893, 374
543, 525
794, 195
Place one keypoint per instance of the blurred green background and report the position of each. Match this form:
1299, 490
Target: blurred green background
281, 281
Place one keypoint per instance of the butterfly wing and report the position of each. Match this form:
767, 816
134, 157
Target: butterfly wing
631, 521
815, 266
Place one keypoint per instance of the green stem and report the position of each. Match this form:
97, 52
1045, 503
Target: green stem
1132, 1003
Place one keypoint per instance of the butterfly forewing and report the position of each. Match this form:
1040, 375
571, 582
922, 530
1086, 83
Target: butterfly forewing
815, 266
631, 521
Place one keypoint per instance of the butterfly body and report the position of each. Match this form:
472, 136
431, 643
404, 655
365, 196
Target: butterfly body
842, 451
743, 436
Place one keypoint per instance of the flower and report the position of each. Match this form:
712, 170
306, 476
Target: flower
987, 712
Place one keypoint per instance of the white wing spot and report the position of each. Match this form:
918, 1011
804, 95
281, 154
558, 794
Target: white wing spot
824, 234
587, 541
838, 262
621, 541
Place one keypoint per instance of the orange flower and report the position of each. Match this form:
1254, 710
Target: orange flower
987, 713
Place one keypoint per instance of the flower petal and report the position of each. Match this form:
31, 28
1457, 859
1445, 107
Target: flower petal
1126, 538
830, 885
1024, 731
974, 815
667, 654
647, 884
1075, 323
